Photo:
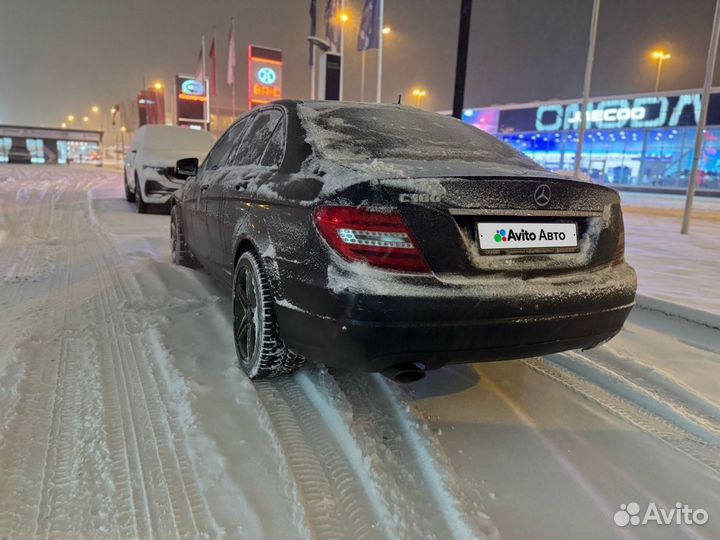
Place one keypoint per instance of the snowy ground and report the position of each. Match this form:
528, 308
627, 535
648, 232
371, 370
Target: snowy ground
671, 266
122, 413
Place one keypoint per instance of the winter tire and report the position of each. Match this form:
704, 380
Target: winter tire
141, 206
180, 253
129, 195
260, 350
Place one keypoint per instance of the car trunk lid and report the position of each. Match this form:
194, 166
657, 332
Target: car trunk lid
443, 214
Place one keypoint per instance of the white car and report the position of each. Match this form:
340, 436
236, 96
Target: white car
150, 163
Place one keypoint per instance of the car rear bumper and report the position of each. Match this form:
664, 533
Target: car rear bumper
375, 332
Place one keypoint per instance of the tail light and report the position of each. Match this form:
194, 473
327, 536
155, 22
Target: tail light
379, 239
619, 253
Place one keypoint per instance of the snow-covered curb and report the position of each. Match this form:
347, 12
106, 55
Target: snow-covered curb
678, 310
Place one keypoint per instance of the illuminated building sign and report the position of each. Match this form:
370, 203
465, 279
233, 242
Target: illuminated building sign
191, 88
638, 112
191, 102
264, 75
642, 112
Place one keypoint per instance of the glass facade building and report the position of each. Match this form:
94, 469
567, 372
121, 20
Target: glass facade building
21, 144
631, 142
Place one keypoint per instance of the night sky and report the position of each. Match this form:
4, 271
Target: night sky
62, 56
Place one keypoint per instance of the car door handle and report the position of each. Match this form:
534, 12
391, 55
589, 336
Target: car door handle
204, 187
242, 185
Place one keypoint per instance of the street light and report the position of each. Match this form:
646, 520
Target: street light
158, 86
386, 30
95, 109
419, 93
344, 17
71, 118
85, 119
660, 56
63, 125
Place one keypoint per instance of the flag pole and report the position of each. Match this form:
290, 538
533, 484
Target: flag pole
214, 73
204, 76
378, 96
312, 74
232, 87
362, 77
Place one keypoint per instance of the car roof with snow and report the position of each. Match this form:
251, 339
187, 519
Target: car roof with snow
157, 137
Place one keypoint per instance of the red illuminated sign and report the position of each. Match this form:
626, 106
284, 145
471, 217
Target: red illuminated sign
264, 75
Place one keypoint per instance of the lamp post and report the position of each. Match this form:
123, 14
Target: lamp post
660, 56
586, 86
419, 93
700, 133
344, 18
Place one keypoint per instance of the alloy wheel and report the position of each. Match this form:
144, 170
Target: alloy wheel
245, 314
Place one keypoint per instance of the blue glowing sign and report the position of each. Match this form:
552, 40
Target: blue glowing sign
192, 87
642, 112
267, 75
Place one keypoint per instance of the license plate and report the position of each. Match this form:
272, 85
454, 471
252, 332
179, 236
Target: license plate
509, 235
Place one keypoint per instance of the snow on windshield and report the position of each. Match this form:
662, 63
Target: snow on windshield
176, 138
359, 131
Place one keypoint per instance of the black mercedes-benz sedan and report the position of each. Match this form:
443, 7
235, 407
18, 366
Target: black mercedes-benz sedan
386, 238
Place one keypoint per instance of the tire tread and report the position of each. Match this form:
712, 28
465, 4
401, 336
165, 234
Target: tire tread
274, 358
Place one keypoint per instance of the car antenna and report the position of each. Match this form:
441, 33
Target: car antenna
399, 99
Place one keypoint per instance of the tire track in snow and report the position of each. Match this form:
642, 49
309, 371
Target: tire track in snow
50, 487
352, 438
25, 455
169, 475
325, 484
561, 369
384, 420
125, 446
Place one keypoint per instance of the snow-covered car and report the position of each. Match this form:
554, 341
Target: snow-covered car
150, 163
385, 238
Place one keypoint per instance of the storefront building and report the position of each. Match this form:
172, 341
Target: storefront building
23, 144
631, 142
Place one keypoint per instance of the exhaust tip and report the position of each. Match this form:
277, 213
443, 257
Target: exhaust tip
405, 373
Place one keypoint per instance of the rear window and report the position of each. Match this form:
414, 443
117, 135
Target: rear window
365, 132
176, 138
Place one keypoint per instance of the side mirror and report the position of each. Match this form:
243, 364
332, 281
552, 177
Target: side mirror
185, 168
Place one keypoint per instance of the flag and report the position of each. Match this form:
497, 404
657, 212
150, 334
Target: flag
369, 34
200, 69
213, 68
332, 24
231, 54
313, 27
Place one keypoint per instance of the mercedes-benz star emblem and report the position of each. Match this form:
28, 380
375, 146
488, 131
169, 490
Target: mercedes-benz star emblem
542, 195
